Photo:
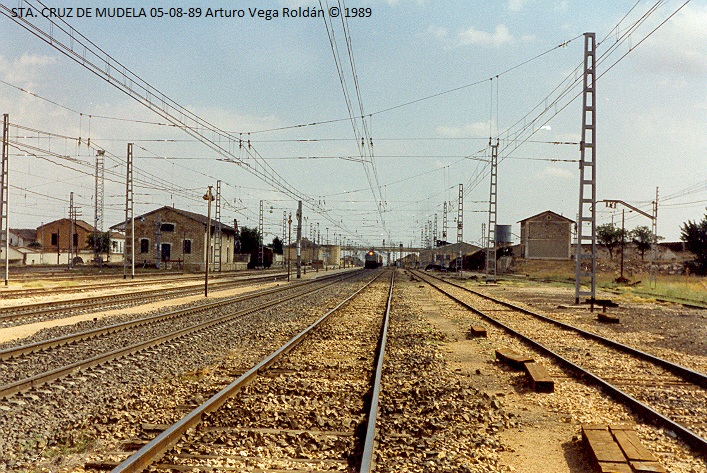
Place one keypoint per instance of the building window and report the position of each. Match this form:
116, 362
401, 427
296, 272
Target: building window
186, 247
55, 239
144, 245
167, 227
76, 240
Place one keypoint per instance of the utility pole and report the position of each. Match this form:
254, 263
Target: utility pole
623, 243
654, 264
217, 229
129, 249
98, 210
4, 194
209, 197
493, 208
261, 250
299, 239
289, 243
586, 223
158, 242
444, 224
460, 229
72, 230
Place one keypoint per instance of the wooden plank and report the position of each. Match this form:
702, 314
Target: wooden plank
512, 358
610, 319
539, 377
477, 331
648, 467
603, 446
632, 446
613, 467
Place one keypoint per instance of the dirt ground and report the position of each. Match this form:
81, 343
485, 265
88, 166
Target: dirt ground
548, 439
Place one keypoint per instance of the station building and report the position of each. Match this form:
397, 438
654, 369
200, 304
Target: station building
177, 238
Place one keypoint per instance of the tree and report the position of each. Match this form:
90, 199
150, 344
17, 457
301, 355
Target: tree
103, 242
695, 237
610, 237
250, 238
643, 238
276, 245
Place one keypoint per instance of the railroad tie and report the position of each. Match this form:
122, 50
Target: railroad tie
617, 449
604, 317
540, 379
512, 359
477, 331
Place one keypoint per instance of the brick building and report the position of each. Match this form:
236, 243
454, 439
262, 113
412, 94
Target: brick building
546, 235
177, 237
54, 236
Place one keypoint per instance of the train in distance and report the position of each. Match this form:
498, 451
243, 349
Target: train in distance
373, 260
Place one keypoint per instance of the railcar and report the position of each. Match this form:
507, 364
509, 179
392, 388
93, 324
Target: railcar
373, 260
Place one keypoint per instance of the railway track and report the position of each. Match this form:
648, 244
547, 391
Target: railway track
120, 283
669, 395
29, 313
29, 366
310, 405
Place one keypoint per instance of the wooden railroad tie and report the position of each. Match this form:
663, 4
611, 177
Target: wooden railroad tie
604, 317
477, 331
540, 379
617, 449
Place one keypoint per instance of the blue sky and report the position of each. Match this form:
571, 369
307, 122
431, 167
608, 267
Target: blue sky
248, 75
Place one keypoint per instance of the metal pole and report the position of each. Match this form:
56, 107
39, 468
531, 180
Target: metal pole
623, 240
299, 239
5, 193
209, 196
289, 243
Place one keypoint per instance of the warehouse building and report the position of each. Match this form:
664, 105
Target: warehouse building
546, 235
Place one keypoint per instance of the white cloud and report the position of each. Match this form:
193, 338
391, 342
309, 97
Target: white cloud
516, 5
554, 172
25, 69
438, 31
470, 130
679, 45
500, 36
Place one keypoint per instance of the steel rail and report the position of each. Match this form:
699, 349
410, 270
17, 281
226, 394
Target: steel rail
119, 283
45, 308
686, 373
43, 378
688, 436
17, 351
168, 438
369, 443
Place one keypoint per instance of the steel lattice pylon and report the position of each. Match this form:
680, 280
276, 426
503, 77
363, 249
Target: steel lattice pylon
129, 248
586, 223
217, 229
493, 207
4, 193
460, 229
261, 250
98, 207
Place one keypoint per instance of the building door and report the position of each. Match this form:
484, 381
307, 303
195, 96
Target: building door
166, 251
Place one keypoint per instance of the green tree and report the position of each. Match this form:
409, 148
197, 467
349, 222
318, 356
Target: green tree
643, 238
250, 238
694, 235
276, 246
610, 237
103, 242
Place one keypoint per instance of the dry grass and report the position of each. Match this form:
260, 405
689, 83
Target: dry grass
678, 287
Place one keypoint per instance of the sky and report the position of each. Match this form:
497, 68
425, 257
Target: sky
277, 106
